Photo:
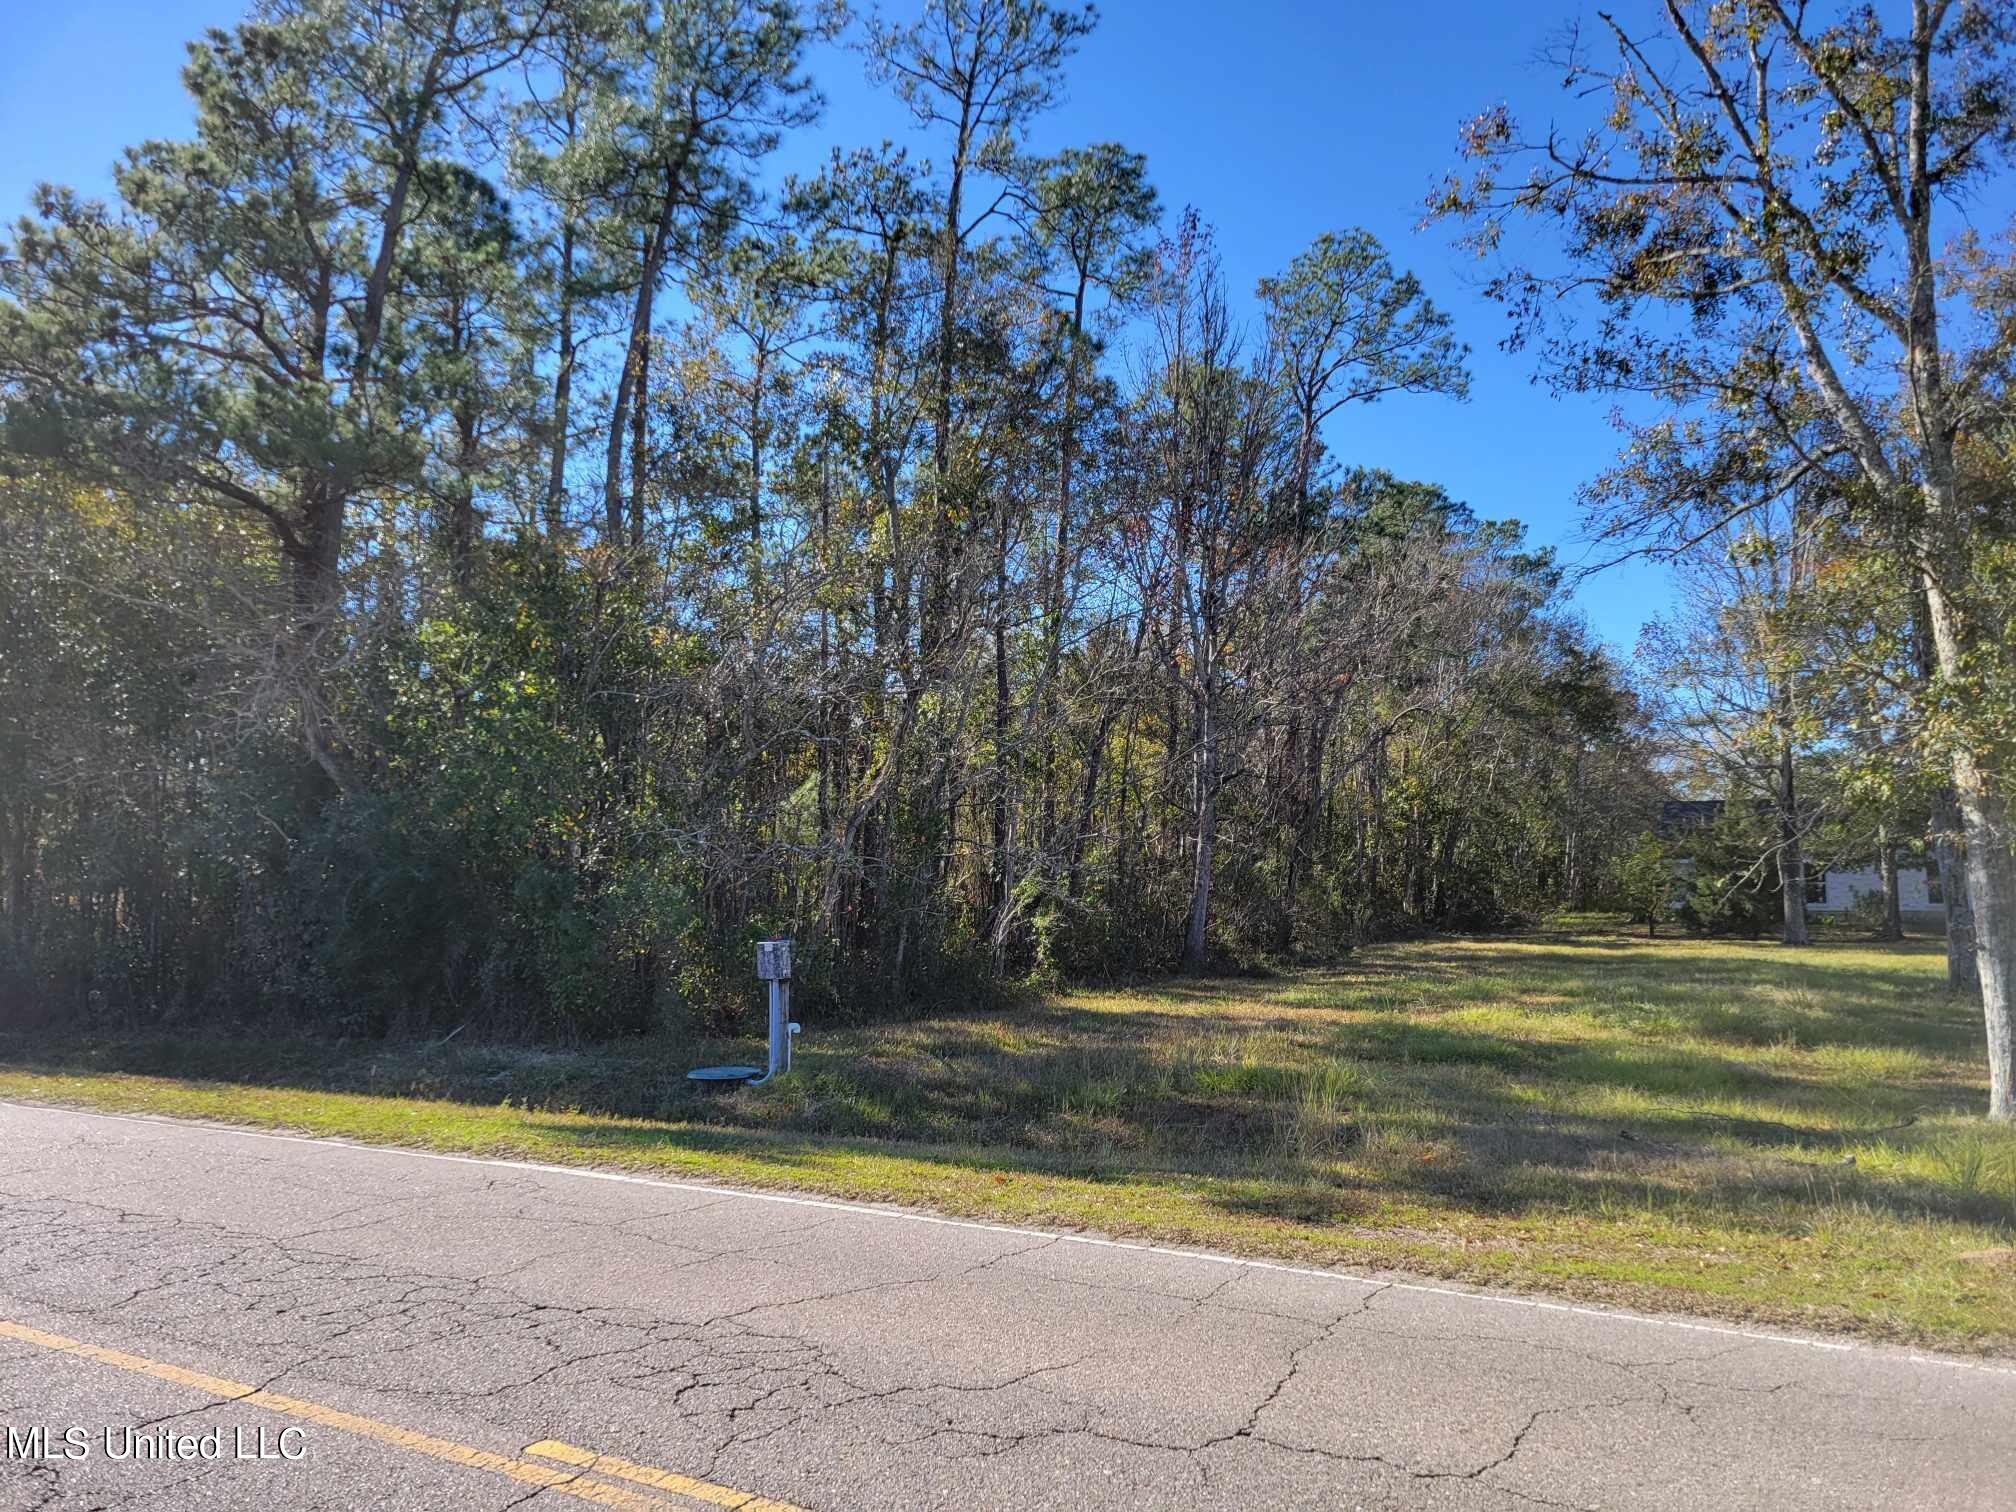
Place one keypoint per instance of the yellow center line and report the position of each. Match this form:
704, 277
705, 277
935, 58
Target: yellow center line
562, 1482
651, 1475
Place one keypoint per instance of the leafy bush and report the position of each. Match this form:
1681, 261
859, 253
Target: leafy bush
1733, 889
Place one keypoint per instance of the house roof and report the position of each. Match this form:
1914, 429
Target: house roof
1679, 815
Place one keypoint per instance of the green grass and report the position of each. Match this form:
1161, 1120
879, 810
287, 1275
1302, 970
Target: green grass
1732, 1129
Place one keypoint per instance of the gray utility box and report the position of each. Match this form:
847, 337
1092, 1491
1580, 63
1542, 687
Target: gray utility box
773, 960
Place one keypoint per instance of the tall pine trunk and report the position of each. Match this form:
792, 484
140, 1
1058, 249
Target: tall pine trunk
1053, 588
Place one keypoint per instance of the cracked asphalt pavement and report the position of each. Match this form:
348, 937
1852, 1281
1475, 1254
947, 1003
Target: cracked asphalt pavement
461, 1333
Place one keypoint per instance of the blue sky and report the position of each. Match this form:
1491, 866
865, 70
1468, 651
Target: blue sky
1291, 118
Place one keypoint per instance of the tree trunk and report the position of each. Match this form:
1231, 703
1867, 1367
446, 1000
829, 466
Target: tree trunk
462, 523
1991, 890
1001, 870
1200, 887
1886, 868
1304, 782
1053, 589
1375, 822
316, 590
1963, 970
1574, 883
824, 718
1990, 871
656, 244
18, 854
1791, 862
640, 438
1291, 881
563, 390
1207, 826
941, 562
1087, 796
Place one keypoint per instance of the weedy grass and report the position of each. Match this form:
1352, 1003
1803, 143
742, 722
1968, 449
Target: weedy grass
1735, 1129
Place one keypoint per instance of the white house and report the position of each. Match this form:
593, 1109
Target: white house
1837, 889
1830, 890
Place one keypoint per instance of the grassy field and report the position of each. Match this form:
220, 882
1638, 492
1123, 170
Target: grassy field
1733, 1129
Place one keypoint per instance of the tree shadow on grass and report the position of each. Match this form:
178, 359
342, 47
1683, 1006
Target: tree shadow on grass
1749, 998
1496, 1123
1237, 1134
1295, 990
1742, 1000
1508, 1163
1281, 1097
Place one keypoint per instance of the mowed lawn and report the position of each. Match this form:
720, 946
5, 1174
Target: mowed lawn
1731, 1129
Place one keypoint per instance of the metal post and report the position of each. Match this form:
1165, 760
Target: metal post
773, 965
777, 991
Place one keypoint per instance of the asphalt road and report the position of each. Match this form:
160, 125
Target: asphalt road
396, 1330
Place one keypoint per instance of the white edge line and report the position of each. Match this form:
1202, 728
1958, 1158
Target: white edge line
1420, 1288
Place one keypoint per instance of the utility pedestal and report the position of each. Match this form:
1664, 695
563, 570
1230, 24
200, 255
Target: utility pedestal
773, 966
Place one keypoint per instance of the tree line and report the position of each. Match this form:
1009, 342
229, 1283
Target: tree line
482, 549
